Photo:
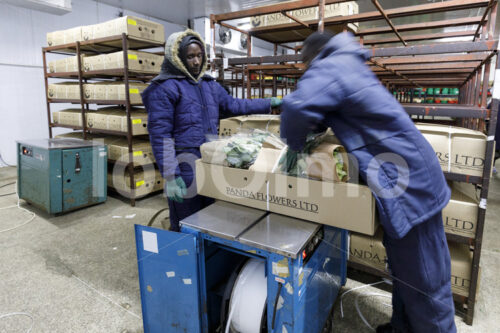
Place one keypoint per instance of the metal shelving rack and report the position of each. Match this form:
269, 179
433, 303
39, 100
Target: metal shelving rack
110, 44
464, 64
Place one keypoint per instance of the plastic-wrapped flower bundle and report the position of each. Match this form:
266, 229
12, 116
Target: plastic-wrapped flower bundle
240, 150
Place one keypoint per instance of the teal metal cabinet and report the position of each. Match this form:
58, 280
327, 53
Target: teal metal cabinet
60, 175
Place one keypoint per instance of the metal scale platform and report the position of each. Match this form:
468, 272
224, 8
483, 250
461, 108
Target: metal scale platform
257, 271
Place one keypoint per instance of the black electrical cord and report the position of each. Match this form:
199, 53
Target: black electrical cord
152, 220
280, 285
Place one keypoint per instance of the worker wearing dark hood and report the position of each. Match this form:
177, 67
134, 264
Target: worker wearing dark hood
396, 162
183, 105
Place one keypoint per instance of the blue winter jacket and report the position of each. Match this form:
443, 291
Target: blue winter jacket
340, 91
183, 110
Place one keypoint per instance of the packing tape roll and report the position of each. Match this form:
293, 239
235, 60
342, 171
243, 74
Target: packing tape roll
248, 298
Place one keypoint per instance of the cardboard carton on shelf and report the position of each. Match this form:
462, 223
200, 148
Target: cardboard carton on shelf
132, 26
70, 117
142, 152
306, 14
113, 91
144, 62
146, 181
370, 251
117, 91
96, 91
64, 65
461, 268
64, 36
115, 119
64, 90
460, 215
459, 150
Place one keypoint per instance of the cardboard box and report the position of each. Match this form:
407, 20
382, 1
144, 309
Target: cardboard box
368, 251
342, 205
113, 91
146, 181
233, 125
305, 14
143, 62
64, 36
460, 215
118, 150
70, 117
130, 25
459, 150
461, 268
64, 90
115, 119
64, 65
96, 91
118, 147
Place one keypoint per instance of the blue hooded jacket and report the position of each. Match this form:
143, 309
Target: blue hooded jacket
340, 91
183, 110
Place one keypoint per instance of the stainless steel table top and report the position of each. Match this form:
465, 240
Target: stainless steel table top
280, 234
223, 219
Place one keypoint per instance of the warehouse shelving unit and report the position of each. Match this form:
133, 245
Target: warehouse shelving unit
455, 64
110, 44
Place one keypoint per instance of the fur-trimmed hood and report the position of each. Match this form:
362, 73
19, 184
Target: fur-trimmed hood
173, 67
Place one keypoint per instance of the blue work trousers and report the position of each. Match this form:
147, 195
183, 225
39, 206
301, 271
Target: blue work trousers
420, 263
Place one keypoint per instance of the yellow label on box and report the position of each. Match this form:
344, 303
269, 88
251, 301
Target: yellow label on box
139, 183
136, 121
134, 91
131, 22
138, 153
132, 56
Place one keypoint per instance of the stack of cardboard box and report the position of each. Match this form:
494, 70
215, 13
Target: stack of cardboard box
459, 217
110, 118
144, 62
459, 150
369, 251
142, 152
132, 26
147, 181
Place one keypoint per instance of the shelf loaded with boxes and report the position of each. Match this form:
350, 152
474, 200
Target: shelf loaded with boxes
107, 66
457, 71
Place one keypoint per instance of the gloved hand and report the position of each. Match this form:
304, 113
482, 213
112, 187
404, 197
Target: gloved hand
275, 102
176, 189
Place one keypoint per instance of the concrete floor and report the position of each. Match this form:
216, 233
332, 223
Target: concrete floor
78, 272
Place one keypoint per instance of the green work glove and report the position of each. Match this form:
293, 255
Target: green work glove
275, 102
176, 189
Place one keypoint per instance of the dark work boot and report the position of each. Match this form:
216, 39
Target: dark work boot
387, 328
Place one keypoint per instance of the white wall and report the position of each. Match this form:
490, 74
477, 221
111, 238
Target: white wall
23, 112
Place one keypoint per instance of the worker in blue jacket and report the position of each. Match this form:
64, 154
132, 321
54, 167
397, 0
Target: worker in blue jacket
339, 90
183, 105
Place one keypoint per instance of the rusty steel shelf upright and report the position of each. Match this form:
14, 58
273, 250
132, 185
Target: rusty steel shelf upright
107, 45
461, 64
